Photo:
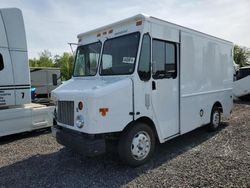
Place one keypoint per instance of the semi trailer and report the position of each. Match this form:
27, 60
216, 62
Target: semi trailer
142, 80
44, 79
17, 113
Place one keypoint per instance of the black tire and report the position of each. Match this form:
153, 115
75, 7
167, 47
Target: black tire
136, 132
215, 119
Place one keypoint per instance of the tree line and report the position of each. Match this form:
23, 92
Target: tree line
241, 55
66, 60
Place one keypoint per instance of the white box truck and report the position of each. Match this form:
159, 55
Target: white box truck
140, 80
44, 79
17, 113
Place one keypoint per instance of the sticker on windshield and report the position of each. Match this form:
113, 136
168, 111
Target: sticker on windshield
129, 60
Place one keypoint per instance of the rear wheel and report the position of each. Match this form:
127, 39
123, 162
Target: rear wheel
215, 119
136, 144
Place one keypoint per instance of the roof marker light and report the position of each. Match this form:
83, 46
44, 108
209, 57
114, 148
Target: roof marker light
138, 23
110, 31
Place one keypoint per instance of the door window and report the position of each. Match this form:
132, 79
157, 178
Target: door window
1, 62
144, 62
164, 59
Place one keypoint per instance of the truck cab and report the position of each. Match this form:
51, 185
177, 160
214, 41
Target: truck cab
126, 85
14, 75
17, 113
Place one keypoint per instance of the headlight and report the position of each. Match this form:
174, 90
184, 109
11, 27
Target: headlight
79, 121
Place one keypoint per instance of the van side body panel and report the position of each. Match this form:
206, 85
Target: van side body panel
206, 77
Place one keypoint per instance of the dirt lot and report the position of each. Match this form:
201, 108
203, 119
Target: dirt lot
197, 159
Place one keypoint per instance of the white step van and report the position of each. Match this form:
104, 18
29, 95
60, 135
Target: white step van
140, 80
17, 114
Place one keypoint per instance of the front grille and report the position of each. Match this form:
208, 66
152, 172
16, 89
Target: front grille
65, 112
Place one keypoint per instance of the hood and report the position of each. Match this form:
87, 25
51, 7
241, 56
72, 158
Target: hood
89, 87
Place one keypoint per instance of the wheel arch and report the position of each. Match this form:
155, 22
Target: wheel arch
219, 105
148, 121
215, 116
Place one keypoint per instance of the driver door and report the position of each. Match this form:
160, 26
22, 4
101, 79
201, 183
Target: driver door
165, 86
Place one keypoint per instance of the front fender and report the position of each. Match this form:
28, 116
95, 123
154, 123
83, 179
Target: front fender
117, 98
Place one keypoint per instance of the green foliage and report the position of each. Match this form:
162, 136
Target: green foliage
64, 62
45, 60
241, 55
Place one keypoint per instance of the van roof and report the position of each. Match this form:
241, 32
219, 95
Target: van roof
136, 17
144, 17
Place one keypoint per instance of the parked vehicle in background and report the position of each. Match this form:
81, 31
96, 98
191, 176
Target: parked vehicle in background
44, 79
241, 86
140, 80
17, 113
243, 72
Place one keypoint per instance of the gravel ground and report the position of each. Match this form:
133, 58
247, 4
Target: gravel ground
196, 159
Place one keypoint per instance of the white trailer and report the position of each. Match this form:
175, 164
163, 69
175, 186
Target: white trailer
241, 86
140, 80
17, 114
45, 79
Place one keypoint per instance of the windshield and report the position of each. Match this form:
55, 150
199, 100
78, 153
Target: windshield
119, 55
86, 61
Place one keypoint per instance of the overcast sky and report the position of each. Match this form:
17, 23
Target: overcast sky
51, 24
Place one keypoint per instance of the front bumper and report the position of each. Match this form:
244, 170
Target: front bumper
85, 144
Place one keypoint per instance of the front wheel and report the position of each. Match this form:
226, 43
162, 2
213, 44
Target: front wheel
136, 144
215, 119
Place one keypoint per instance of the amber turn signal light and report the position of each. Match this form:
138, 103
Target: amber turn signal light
103, 111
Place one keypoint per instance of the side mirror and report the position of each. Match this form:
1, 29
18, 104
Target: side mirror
54, 79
